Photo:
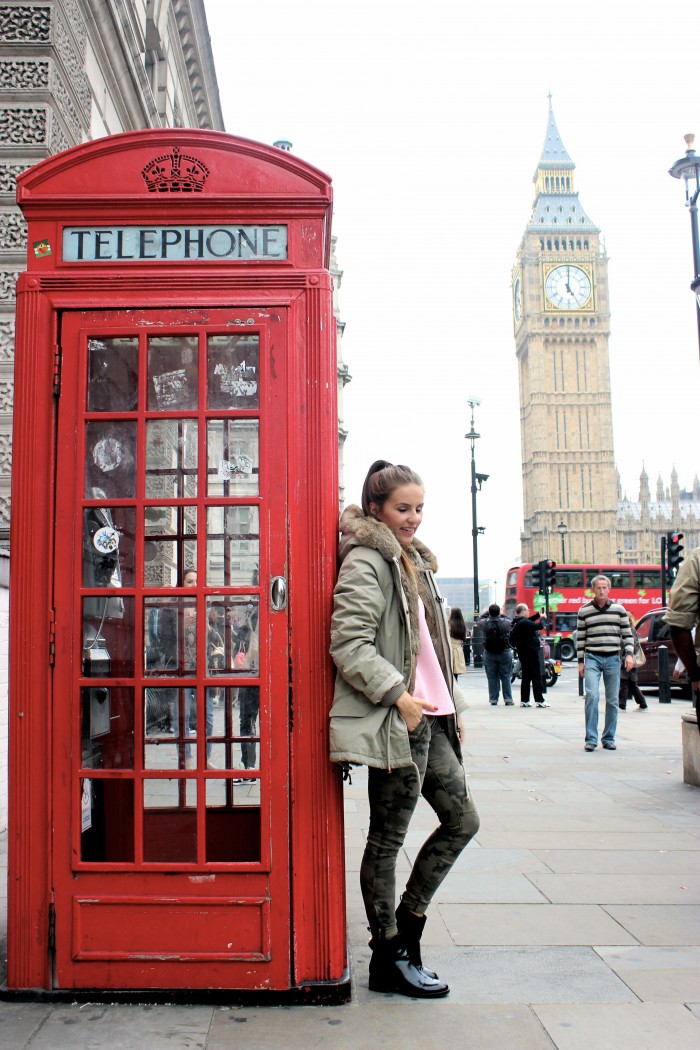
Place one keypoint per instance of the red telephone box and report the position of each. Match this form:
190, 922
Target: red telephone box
175, 822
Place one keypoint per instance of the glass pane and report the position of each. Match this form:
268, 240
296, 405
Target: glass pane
110, 460
166, 561
113, 374
647, 578
108, 547
233, 546
232, 457
568, 578
172, 372
619, 578
170, 821
248, 709
107, 727
242, 636
107, 812
170, 635
108, 647
171, 458
232, 371
170, 720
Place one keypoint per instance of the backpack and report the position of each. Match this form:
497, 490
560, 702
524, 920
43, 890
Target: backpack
494, 636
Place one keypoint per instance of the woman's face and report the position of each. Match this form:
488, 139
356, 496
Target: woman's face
402, 512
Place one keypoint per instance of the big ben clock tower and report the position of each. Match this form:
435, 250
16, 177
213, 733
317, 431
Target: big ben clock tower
561, 320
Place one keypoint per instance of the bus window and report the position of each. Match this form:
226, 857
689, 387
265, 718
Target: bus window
512, 578
532, 577
567, 578
619, 578
647, 578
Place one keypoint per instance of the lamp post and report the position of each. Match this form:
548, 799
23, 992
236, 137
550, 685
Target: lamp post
472, 437
688, 169
561, 528
619, 555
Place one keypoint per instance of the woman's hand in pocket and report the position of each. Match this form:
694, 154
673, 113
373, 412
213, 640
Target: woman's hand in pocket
412, 709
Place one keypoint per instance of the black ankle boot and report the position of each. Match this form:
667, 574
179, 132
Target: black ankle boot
411, 930
391, 970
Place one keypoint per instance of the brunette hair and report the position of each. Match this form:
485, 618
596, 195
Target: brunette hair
382, 478
458, 628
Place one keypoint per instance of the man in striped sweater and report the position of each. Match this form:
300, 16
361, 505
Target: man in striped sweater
603, 632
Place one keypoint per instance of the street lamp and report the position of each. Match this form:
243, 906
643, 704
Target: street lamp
619, 555
688, 168
561, 527
472, 436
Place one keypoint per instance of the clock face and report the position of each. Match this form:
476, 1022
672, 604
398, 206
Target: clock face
517, 308
568, 287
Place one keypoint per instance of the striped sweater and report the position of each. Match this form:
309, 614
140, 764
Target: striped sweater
603, 631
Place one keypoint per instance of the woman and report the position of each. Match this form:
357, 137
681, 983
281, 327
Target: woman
458, 634
395, 710
628, 679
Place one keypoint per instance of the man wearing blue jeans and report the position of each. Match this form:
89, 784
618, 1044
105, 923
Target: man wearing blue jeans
603, 632
498, 655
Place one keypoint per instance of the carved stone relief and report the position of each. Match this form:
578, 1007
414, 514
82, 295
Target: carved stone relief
28, 24
8, 177
23, 126
13, 231
7, 339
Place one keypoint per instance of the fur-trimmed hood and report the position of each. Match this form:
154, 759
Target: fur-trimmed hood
359, 528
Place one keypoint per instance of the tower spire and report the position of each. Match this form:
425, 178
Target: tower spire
554, 152
556, 201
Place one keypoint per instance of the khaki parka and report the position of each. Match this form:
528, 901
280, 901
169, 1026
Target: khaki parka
374, 643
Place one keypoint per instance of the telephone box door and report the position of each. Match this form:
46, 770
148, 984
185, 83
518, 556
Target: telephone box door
171, 746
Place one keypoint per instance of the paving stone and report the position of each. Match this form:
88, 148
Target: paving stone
658, 924
612, 889
535, 924
639, 1026
387, 1021
622, 862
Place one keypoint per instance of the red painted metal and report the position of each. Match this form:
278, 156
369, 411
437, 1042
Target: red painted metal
195, 895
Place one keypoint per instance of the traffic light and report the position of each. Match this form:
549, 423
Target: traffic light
673, 552
542, 571
551, 574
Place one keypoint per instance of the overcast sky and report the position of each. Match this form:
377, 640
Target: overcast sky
430, 118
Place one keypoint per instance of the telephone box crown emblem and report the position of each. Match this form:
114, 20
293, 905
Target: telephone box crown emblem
175, 173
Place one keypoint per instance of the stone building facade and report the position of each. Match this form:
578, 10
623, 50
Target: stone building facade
642, 522
561, 324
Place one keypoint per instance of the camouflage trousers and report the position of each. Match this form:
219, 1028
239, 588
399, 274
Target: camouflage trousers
393, 796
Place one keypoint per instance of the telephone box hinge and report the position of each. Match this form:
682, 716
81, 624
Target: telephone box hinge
52, 637
52, 927
57, 370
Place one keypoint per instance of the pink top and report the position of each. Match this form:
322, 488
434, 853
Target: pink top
430, 681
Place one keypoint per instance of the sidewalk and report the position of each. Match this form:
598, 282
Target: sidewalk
572, 922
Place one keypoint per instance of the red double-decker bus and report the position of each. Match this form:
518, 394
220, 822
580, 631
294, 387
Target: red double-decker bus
637, 587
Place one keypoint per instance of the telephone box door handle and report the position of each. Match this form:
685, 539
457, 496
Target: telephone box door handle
278, 593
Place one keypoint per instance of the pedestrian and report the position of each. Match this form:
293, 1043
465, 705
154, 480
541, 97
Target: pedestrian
683, 615
628, 679
525, 639
603, 632
467, 645
396, 709
458, 633
498, 655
